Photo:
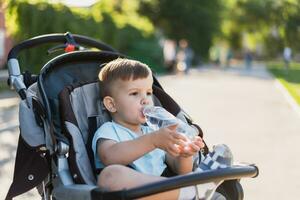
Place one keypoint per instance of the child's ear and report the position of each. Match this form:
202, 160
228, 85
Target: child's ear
109, 104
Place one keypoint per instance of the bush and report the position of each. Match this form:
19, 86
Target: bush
26, 19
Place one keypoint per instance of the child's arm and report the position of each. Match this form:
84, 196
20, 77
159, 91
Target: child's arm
180, 165
184, 162
112, 152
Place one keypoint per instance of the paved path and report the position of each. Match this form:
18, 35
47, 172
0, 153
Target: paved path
9, 134
246, 110
243, 109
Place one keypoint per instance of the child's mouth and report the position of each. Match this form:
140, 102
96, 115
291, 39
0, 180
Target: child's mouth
142, 112
142, 115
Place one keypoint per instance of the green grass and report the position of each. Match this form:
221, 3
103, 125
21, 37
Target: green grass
289, 78
3, 86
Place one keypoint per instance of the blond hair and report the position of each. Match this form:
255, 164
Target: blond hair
120, 68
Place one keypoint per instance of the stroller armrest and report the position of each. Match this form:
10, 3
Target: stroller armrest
230, 173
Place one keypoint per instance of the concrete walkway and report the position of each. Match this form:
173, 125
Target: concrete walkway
247, 111
243, 109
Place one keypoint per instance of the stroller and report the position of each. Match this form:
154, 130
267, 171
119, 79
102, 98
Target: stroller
59, 114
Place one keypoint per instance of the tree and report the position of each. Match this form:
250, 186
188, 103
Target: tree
197, 21
115, 22
274, 23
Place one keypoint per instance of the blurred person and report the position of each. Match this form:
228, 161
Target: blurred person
184, 56
248, 59
215, 55
229, 56
169, 53
287, 56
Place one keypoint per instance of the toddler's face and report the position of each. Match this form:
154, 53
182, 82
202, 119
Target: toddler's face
129, 98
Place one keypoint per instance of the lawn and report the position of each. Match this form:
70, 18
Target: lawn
3, 86
289, 78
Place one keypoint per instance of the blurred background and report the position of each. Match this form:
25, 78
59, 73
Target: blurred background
234, 65
218, 33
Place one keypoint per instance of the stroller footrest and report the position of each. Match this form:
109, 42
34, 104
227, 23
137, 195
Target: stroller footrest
73, 192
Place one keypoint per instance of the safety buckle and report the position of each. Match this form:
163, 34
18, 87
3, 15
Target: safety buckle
70, 45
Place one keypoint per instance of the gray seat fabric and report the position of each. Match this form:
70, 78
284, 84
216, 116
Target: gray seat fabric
32, 133
86, 104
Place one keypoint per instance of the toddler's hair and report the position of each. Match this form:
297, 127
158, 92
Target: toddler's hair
121, 68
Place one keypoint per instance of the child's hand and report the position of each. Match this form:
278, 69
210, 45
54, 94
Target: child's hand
192, 147
169, 140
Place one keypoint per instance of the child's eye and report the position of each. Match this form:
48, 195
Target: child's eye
133, 93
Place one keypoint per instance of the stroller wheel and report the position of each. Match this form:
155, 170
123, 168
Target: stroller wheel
231, 190
223, 195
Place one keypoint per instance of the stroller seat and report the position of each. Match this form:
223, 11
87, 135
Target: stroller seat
81, 113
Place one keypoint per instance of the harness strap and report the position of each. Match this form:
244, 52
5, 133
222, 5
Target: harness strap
38, 110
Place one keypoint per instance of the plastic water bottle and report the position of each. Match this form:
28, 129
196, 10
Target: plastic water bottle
157, 117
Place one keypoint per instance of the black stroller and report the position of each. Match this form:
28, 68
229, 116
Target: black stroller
59, 113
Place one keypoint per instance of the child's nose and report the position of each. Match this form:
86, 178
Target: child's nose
145, 101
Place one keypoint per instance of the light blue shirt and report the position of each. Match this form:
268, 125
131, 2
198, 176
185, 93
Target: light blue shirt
152, 163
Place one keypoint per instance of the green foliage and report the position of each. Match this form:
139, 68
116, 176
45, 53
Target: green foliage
198, 22
273, 23
118, 29
3, 86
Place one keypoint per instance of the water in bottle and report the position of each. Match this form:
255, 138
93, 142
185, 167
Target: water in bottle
157, 117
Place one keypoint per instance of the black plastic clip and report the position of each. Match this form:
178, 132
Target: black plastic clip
69, 46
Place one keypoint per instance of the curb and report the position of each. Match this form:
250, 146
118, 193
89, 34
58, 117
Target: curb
9, 102
287, 96
9, 128
3, 75
6, 103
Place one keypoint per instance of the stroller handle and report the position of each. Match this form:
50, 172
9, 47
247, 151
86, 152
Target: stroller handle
15, 77
56, 38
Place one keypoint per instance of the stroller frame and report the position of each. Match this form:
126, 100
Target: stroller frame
56, 181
